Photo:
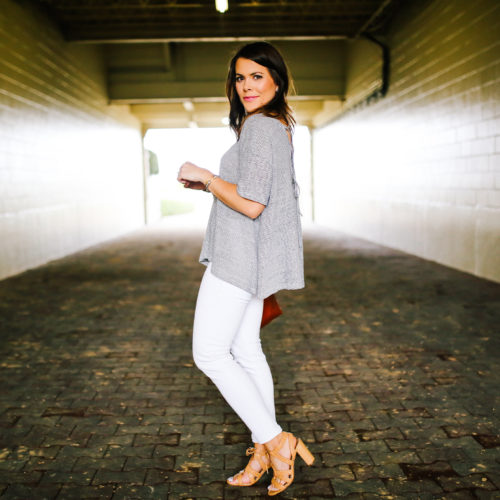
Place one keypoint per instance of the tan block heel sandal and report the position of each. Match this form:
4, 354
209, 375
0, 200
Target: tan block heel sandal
282, 479
259, 452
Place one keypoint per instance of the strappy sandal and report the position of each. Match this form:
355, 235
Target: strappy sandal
259, 452
282, 479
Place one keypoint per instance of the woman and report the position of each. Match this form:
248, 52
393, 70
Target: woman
252, 248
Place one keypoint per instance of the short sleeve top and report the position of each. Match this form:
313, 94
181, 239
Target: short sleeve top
265, 254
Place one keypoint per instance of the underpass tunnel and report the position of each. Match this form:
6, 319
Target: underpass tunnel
401, 101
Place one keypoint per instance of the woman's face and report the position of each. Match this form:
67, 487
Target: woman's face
254, 84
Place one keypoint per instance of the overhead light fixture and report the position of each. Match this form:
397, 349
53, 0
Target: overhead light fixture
221, 5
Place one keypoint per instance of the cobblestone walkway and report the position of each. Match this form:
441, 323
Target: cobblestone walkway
386, 365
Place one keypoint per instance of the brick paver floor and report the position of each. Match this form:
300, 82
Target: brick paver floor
386, 365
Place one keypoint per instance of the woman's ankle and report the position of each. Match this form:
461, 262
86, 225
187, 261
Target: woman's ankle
275, 441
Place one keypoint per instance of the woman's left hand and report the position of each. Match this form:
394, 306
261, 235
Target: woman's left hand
194, 185
193, 174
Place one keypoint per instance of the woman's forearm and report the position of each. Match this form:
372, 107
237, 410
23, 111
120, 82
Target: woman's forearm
191, 176
228, 194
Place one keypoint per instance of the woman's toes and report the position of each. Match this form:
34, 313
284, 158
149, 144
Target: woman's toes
272, 488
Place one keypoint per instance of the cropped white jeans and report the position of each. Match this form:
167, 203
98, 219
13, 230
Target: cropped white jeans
227, 348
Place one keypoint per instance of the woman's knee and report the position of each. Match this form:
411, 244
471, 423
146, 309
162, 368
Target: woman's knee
248, 356
210, 362
200, 360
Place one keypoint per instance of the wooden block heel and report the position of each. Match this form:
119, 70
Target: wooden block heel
304, 452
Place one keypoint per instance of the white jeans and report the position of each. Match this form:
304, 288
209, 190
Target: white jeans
226, 347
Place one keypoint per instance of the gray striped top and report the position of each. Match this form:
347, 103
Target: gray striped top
265, 254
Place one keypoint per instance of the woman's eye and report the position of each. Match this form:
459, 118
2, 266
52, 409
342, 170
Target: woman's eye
239, 78
257, 77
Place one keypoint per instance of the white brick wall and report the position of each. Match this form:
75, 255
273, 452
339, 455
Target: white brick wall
70, 164
420, 169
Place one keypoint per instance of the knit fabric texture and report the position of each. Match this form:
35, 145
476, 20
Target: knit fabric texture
265, 254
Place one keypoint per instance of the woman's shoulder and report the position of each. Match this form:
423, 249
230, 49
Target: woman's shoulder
259, 120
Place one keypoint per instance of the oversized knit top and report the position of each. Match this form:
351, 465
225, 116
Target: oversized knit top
265, 254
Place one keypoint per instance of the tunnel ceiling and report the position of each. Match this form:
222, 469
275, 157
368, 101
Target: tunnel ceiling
134, 20
158, 62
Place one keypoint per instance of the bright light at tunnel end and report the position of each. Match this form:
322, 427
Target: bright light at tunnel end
221, 5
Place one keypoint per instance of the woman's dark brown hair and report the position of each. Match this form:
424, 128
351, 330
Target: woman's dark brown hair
265, 54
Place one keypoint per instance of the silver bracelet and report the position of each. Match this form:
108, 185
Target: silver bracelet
207, 184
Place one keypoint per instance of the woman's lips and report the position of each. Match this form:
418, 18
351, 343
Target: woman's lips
250, 98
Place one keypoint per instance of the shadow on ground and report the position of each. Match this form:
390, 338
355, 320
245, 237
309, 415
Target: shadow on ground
387, 365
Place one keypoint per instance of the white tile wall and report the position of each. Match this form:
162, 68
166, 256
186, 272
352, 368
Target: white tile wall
70, 164
420, 169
